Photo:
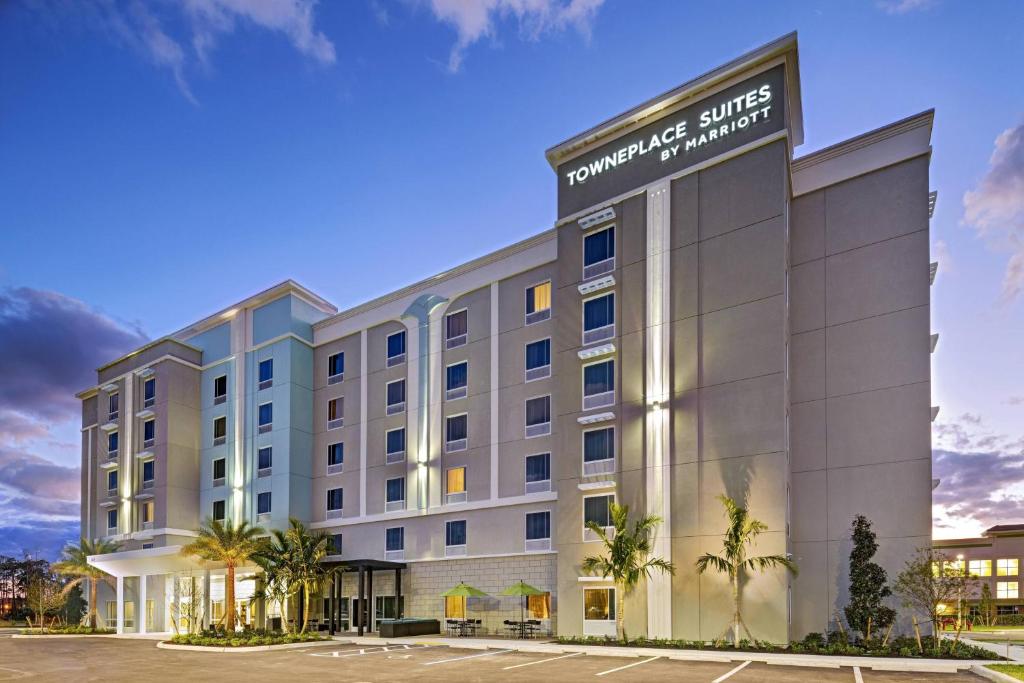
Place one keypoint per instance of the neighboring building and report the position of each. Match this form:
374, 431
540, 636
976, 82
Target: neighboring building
995, 558
708, 315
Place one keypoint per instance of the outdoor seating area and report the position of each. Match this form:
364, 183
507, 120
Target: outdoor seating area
528, 628
523, 628
463, 627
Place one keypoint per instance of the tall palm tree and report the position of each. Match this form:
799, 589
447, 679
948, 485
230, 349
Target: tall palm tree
75, 562
740, 534
277, 584
307, 550
628, 557
231, 544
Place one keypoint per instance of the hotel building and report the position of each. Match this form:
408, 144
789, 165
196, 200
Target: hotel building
709, 314
994, 559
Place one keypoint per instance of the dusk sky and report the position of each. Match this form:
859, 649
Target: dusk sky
162, 160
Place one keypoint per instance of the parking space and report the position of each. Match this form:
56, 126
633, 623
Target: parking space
113, 660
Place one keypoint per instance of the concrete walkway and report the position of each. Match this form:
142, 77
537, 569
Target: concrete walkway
1009, 650
819, 661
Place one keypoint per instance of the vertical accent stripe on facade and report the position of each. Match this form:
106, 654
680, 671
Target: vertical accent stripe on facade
656, 404
124, 517
364, 380
495, 381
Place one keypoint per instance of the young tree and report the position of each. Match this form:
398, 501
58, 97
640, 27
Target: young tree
868, 583
929, 581
44, 595
75, 563
987, 606
231, 544
308, 550
628, 556
733, 561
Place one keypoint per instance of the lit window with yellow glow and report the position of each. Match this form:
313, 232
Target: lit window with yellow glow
456, 480
1006, 567
538, 302
979, 567
454, 607
1006, 590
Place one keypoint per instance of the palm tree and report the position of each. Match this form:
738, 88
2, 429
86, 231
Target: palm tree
75, 562
277, 585
233, 545
628, 556
307, 550
740, 534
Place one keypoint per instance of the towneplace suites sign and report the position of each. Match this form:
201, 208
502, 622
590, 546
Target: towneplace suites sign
734, 117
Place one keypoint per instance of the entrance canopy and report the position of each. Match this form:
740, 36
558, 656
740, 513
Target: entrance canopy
148, 562
362, 565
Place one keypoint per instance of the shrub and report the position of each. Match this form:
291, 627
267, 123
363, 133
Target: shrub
245, 638
68, 629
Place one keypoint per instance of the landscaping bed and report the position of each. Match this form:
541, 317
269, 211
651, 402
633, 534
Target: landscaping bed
255, 638
69, 630
813, 644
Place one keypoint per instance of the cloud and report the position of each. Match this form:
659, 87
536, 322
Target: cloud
995, 208
943, 257
1015, 401
475, 19
50, 347
903, 6
161, 31
42, 539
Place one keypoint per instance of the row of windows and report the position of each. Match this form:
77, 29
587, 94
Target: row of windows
146, 511
148, 399
980, 568
148, 438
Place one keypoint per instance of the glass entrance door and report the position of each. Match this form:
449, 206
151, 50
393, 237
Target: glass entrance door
367, 623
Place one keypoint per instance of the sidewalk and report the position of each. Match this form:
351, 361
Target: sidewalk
1008, 650
818, 661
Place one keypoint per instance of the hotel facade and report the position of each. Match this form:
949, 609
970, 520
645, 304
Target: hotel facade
709, 314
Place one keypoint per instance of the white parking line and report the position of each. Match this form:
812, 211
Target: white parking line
856, 675
628, 666
381, 649
730, 673
541, 661
456, 659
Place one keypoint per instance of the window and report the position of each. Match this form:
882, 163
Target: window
112, 482
599, 604
539, 606
147, 546
220, 430
336, 544
457, 378
112, 443
265, 419
335, 457
396, 348
1006, 590
265, 460
538, 531
263, 503
538, 473
456, 329
220, 389
146, 512
538, 303
113, 406
336, 413
599, 318
148, 474
456, 433
1006, 567
599, 451
538, 416
394, 543
979, 567
455, 485
148, 433
394, 445
454, 607
149, 393
598, 384
596, 509
219, 507
266, 373
538, 360
335, 500
219, 470
394, 494
396, 397
455, 538
112, 520
599, 253
335, 368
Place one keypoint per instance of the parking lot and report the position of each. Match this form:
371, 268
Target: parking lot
67, 659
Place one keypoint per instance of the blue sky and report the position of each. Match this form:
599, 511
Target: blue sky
160, 160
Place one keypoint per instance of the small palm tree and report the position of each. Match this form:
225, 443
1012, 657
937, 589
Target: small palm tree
234, 545
628, 557
277, 584
307, 550
740, 534
75, 562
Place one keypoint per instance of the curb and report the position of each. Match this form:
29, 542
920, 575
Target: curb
40, 636
997, 676
243, 649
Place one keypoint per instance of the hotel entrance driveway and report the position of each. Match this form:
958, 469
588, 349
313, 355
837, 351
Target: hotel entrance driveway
116, 660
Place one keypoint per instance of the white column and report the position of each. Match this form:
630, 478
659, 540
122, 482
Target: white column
120, 604
140, 611
657, 405
495, 381
363, 411
435, 403
207, 601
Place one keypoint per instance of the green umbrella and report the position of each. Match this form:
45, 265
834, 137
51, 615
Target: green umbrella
524, 590
463, 590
